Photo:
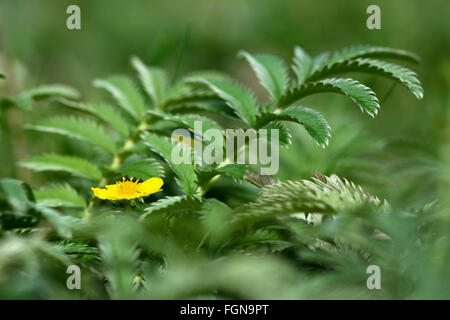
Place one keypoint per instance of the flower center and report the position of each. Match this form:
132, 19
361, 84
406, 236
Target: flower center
127, 187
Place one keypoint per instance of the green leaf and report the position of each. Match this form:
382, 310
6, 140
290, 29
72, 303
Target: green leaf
239, 99
305, 196
363, 96
186, 120
186, 177
173, 204
214, 215
59, 196
302, 65
126, 93
393, 71
271, 72
142, 169
234, 170
53, 162
154, 81
314, 123
53, 90
16, 194
2, 75
78, 128
284, 135
104, 112
368, 51
62, 224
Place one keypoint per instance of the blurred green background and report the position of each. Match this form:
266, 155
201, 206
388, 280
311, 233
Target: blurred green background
388, 155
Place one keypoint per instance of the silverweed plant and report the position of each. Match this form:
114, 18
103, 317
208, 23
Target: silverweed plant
141, 226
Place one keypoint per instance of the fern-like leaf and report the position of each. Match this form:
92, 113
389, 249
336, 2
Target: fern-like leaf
271, 72
126, 93
302, 65
173, 204
186, 177
142, 169
393, 71
314, 123
368, 51
363, 96
327, 196
53, 90
59, 196
53, 162
154, 81
239, 99
78, 128
104, 112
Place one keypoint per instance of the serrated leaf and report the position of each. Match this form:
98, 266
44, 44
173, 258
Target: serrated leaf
302, 65
59, 196
271, 72
305, 196
154, 81
368, 51
79, 128
363, 96
104, 112
186, 177
142, 169
393, 71
173, 204
186, 120
53, 90
314, 123
126, 93
284, 135
239, 99
53, 162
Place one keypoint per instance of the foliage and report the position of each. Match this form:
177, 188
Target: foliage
290, 239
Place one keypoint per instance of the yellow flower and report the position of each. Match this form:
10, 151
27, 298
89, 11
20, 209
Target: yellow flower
128, 189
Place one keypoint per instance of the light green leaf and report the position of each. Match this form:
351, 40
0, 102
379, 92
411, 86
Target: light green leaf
284, 135
126, 93
78, 128
53, 90
105, 112
305, 196
271, 72
302, 65
393, 71
53, 162
363, 96
142, 169
368, 51
173, 204
154, 81
59, 196
314, 123
186, 177
238, 98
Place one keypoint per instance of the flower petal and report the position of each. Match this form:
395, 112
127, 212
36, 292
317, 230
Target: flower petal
103, 193
150, 186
